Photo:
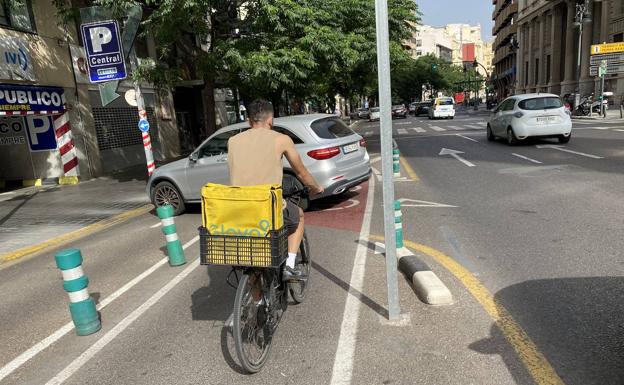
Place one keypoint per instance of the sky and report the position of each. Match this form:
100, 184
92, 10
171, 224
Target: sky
441, 12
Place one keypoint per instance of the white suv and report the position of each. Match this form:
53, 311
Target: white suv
443, 107
530, 115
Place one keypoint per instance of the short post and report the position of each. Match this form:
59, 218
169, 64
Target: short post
75, 282
621, 111
174, 247
396, 165
398, 224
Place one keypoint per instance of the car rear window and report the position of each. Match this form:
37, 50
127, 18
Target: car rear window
331, 128
544, 103
445, 102
376, 109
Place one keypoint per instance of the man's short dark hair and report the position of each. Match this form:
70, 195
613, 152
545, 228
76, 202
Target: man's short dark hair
259, 110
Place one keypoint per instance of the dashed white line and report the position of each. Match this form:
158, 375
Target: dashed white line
401, 131
526, 158
418, 129
52, 338
343, 362
437, 128
474, 127
156, 225
401, 123
456, 128
619, 130
466, 137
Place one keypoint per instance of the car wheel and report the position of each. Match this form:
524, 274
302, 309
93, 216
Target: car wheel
166, 193
511, 137
489, 133
564, 139
452, 117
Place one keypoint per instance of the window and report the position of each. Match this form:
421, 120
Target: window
217, 145
16, 14
548, 60
418, 43
540, 103
618, 37
330, 128
286, 132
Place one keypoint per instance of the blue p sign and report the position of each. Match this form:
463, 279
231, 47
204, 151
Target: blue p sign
104, 51
41, 135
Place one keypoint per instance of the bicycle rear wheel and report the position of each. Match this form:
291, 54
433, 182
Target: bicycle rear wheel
299, 290
252, 335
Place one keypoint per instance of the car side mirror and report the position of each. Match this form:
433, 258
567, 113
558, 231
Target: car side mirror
194, 157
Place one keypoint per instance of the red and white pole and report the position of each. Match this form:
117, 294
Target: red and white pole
147, 141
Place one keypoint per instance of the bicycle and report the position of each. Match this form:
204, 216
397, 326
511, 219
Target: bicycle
260, 302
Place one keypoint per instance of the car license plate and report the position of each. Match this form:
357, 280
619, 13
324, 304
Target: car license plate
350, 147
546, 119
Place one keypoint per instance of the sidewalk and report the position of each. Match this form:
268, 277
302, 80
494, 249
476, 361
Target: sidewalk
33, 215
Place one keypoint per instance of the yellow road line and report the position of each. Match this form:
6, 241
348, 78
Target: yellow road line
74, 235
410, 171
534, 361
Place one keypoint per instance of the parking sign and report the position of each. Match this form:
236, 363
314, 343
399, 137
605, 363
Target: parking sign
41, 135
105, 57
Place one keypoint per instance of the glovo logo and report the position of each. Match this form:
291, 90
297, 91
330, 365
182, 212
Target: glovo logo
221, 230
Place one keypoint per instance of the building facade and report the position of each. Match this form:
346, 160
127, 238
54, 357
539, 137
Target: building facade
53, 126
464, 34
505, 16
429, 40
548, 46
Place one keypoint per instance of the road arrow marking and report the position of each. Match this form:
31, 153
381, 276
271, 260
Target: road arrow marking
405, 202
526, 158
562, 148
455, 154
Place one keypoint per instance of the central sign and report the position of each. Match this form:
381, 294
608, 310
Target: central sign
105, 57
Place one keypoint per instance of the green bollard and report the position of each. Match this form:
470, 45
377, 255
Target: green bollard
398, 224
174, 247
396, 166
75, 282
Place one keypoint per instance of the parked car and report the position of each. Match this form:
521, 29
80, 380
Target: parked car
374, 114
399, 111
423, 108
530, 115
443, 107
412, 107
363, 113
334, 154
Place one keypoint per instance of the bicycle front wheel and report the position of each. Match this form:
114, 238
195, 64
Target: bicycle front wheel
299, 290
252, 335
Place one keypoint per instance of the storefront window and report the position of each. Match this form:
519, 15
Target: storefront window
16, 14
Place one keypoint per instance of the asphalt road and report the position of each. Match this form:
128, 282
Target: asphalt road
544, 238
540, 226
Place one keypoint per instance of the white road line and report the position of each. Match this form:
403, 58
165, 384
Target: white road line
343, 362
457, 128
401, 123
402, 131
375, 159
437, 128
619, 130
367, 133
418, 129
75, 365
466, 137
526, 158
156, 225
562, 148
377, 173
474, 126
52, 338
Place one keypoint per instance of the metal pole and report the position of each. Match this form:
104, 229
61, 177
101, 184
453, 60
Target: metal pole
577, 96
147, 140
603, 110
385, 121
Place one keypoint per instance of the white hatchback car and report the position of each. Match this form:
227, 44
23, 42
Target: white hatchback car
530, 115
443, 107
374, 114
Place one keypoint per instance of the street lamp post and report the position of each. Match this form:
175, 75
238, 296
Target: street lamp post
583, 15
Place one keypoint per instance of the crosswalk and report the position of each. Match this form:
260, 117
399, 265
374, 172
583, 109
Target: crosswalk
423, 129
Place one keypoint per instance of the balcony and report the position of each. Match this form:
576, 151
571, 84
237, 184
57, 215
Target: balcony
503, 35
503, 17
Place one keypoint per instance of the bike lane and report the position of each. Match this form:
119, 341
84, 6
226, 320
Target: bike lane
180, 337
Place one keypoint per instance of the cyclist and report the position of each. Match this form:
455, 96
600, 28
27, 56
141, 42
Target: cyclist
255, 157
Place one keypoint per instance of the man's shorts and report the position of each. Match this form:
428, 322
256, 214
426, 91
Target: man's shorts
291, 217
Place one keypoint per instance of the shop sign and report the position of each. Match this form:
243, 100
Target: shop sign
15, 59
27, 100
12, 131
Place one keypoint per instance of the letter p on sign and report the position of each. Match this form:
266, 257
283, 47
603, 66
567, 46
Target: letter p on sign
99, 37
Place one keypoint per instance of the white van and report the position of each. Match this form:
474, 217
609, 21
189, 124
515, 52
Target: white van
443, 107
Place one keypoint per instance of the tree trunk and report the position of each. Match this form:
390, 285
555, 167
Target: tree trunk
210, 121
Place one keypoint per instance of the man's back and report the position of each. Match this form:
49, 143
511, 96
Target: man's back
254, 158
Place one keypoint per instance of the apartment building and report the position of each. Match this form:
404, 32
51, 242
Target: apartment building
548, 38
429, 40
505, 16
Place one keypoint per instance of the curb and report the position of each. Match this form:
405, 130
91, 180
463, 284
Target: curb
428, 287
38, 182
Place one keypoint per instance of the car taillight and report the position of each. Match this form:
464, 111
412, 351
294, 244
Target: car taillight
518, 114
324, 153
362, 143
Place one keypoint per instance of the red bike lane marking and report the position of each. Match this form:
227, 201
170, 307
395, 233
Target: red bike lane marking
344, 212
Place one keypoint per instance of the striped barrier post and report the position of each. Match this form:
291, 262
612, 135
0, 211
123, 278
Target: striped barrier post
396, 167
174, 247
398, 224
75, 282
